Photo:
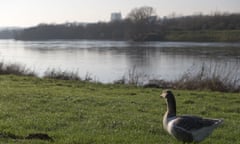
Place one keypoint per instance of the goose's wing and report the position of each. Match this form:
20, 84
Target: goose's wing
190, 123
182, 134
184, 126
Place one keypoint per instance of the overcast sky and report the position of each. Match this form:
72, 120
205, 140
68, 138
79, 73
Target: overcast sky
32, 12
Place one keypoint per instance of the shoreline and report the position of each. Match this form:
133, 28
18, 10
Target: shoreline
203, 79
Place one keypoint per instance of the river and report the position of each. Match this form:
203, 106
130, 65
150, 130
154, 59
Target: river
107, 61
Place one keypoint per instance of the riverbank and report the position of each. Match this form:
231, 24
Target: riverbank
204, 36
82, 112
171, 36
208, 77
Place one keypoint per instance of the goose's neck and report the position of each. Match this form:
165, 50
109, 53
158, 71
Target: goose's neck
171, 107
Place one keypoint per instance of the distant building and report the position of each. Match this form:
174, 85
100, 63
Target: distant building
152, 19
116, 17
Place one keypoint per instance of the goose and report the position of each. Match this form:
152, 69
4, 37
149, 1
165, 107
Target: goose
186, 128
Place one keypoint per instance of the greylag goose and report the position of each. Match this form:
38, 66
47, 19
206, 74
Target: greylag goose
187, 129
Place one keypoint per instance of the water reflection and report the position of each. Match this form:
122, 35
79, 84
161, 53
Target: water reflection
110, 60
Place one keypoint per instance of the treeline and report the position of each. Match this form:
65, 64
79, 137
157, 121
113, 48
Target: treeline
142, 24
8, 33
217, 21
98, 31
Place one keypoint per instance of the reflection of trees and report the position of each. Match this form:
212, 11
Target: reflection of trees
119, 57
167, 62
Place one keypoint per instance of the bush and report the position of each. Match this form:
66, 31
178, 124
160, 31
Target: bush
62, 75
212, 77
15, 69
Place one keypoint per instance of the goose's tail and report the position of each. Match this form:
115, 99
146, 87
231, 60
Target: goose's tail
218, 122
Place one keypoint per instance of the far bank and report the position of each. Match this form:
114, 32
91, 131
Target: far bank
204, 36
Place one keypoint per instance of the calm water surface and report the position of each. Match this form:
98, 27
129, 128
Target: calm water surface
107, 61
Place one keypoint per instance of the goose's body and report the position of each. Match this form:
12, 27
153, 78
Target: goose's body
186, 128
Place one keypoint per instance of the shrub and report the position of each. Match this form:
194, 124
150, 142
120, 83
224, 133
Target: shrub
62, 75
213, 77
15, 69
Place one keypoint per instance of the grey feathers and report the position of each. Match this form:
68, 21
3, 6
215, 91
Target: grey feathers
193, 122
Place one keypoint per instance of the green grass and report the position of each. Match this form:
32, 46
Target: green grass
74, 112
204, 36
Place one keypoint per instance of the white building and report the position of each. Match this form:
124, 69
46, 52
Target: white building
116, 17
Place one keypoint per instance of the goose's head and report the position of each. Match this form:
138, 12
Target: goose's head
171, 102
167, 94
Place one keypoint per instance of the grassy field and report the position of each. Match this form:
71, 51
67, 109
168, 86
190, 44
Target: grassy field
204, 36
74, 112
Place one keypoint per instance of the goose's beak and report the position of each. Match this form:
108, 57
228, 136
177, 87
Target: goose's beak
163, 95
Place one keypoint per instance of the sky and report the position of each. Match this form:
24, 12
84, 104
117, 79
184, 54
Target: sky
25, 13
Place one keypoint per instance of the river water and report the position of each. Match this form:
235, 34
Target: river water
107, 61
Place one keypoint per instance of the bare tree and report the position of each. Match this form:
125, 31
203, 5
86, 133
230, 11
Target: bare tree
143, 22
141, 14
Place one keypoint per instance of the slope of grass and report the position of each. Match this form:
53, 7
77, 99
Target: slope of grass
73, 112
204, 36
